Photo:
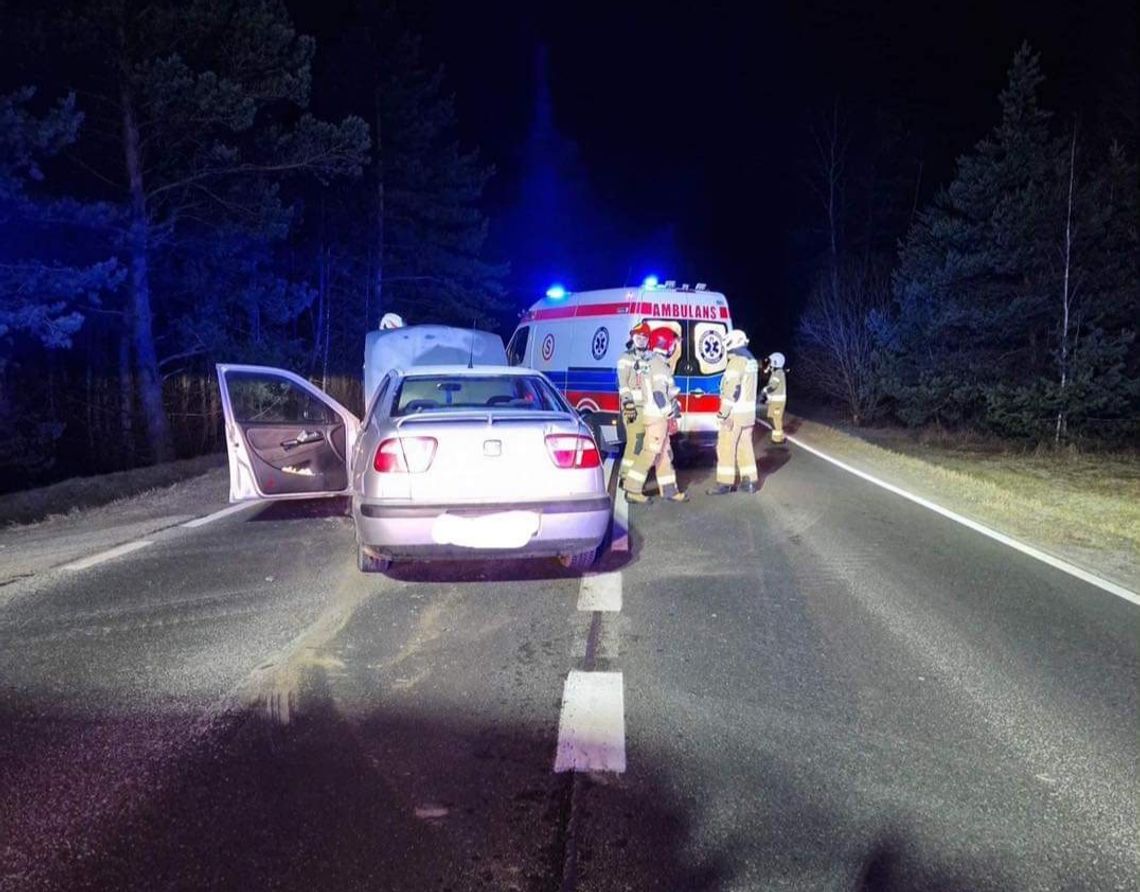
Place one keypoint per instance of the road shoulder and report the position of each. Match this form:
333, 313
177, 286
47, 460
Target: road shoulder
1096, 529
37, 547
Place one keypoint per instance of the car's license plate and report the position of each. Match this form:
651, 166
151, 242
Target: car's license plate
508, 529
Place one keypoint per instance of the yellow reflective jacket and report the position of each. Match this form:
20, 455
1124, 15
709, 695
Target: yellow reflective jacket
658, 389
738, 387
630, 370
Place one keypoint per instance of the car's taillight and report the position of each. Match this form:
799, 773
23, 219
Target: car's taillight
572, 451
406, 455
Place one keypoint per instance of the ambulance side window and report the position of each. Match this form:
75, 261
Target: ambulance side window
516, 349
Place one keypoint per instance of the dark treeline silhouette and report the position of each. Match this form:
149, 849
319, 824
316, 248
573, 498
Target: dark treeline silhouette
1006, 304
168, 200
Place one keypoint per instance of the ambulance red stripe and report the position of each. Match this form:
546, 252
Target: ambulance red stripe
608, 402
662, 310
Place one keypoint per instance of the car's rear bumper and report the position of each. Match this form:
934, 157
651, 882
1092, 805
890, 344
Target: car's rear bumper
566, 526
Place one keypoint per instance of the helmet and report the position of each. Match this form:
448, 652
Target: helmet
735, 339
640, 335
663, 341
391, 320
777, 360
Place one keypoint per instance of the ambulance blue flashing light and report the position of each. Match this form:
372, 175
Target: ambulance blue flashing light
556, 292
650, 283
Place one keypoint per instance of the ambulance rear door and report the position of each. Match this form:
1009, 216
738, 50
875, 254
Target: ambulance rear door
704, 364
698, 368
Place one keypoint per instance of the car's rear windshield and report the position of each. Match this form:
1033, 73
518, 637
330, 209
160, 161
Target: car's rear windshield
439, 393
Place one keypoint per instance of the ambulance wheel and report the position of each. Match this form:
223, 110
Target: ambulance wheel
684, 456
580, 561
368, 561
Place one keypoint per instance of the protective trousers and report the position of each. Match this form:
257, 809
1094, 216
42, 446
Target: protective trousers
656, 454
776, 416
634, 440
734, 454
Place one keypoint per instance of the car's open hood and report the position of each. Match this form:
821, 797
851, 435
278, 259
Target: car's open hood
426, 345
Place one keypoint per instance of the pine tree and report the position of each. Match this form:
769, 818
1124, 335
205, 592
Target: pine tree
202, 105
433, 230
44, 282
967, 280
1015, 292
51, 276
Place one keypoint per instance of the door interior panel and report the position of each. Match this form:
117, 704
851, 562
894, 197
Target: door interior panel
309, 467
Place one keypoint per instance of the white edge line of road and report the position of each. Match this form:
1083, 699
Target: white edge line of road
1046, 558
218, 515
109, 554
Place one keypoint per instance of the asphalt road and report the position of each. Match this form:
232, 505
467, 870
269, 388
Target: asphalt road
822, 686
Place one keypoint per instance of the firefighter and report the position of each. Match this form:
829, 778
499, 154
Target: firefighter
737, 417
631, 366
776, 394
391, 320
661, 409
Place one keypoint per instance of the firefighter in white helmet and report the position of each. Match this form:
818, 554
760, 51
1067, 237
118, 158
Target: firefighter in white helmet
631, 366
391, 320
660, 405
776, 394
737, 417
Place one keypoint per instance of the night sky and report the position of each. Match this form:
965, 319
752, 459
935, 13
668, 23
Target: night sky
691, 125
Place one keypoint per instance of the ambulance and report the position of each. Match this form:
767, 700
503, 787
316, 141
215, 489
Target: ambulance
575, 338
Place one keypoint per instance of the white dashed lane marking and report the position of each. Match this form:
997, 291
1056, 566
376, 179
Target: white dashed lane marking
109, 554
218, 515
600, 591
591, 727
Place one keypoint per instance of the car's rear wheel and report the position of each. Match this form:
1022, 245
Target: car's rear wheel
368, 561
580, 561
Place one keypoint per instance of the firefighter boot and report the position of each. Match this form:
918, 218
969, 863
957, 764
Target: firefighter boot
721, 489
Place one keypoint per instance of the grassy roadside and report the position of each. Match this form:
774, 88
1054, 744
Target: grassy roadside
1084, 508
79, 493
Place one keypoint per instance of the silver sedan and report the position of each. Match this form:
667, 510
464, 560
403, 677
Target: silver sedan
449, 462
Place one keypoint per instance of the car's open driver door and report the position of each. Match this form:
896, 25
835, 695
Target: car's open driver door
286, 439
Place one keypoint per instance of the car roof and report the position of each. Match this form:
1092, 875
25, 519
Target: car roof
465, 371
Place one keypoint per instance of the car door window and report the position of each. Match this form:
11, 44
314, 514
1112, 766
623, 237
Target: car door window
261, 399
380, 398
516, 349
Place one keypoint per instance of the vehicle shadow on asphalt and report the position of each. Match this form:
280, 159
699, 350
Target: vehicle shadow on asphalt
302, 509
521, 570
697, 471
385, 800
413, 801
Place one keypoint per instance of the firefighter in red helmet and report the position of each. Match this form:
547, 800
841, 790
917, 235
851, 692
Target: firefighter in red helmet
631, 367
660, 407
